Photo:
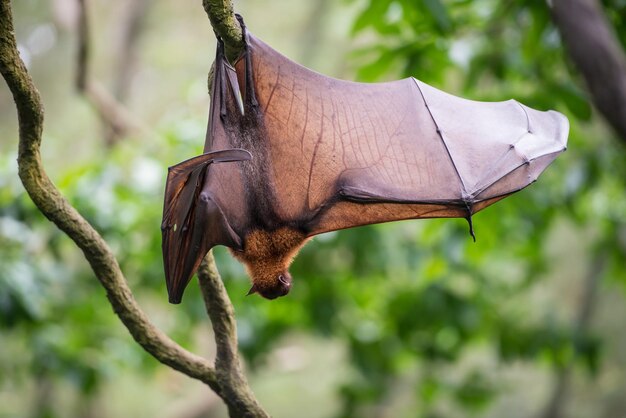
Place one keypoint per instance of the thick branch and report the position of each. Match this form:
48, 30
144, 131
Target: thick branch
222, 17
240, 399
56, 208
598, 55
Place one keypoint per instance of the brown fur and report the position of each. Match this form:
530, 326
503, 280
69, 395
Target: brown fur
267, 255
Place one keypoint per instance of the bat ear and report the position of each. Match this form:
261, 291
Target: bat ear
252, 290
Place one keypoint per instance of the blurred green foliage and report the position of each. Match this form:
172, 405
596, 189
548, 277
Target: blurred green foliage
411, 302
494, 50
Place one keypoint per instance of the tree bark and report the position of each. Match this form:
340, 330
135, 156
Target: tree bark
595, 50
222, 17
236, 391
55, 207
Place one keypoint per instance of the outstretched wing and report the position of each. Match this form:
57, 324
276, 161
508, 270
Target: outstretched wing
192, 222
342, 154
332, 154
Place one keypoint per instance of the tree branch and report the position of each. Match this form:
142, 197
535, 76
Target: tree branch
56, 208
222, 17
132, 23
598, 55
82, 56
241, 401
117, 119
227, 379
227, 364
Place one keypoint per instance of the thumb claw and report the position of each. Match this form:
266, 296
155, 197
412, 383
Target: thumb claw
252, 290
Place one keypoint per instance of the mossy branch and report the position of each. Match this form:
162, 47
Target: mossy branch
227, 380
228, 366
218, 305
222, 17
56, 208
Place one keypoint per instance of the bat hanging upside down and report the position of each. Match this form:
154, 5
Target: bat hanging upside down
290, 154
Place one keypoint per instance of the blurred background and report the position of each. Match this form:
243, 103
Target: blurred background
407, 319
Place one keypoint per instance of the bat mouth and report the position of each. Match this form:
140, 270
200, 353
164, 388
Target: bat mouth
281, 287
274, 294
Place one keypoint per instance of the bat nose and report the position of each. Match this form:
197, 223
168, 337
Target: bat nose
280, 289
283, 280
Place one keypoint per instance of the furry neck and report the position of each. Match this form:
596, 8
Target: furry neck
268, 254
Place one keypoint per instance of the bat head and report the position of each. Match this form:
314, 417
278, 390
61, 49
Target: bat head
280, 286
267, 256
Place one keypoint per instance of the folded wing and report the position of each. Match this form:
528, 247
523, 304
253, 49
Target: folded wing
192, 222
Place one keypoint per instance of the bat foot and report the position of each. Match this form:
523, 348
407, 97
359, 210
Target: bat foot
471, 227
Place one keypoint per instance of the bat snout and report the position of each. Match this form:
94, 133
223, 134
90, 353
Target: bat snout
280, 287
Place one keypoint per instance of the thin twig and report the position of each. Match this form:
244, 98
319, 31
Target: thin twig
115, 116
117, 119
82, 57
131, 26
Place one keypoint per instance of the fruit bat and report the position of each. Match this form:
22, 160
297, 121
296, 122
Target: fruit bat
291, 153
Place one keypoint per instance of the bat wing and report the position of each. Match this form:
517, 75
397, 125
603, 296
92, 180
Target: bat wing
340, 154
192, 221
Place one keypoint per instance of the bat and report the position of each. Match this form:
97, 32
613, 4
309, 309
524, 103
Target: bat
290, 153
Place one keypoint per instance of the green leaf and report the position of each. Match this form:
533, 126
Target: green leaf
372, 14
440, 13
377, 68
575, 100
